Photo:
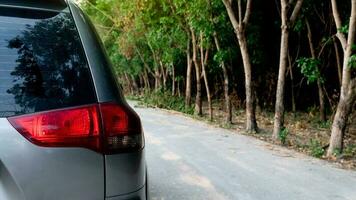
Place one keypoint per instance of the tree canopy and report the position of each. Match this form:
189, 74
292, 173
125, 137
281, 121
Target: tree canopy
255, 54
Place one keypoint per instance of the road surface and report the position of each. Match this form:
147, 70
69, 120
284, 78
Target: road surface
188, 159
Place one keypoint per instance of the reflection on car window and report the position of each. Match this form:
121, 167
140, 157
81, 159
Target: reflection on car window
42, 64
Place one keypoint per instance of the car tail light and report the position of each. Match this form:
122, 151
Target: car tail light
106, 128
121, 127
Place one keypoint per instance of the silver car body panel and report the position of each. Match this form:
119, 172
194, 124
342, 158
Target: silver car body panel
125, 173
136, 195
37, 173
31, 172
107, 88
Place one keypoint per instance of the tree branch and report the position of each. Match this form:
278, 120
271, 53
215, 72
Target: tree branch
240, 11
310, 39
338, 24
247, 12
346, 75
206, 56
296, 11
231, 14
143, 60
352, 26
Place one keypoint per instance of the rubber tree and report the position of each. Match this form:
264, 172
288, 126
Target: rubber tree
348, 85
288, 21
240, 22
220, 21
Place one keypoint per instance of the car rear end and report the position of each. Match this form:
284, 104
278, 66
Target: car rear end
66, 131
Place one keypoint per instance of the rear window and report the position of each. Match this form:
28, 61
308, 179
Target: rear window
42, 63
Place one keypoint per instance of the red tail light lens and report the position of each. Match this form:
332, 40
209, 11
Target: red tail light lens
119, 131
122, 128
61, 128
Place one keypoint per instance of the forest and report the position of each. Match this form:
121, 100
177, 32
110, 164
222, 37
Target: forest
278, 69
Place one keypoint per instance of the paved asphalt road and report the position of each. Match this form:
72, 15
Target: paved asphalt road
188, 159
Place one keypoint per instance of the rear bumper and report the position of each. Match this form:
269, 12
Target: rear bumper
140, 194
124, 173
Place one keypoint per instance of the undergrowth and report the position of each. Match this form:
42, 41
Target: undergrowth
316, 148
305, 132
165, 100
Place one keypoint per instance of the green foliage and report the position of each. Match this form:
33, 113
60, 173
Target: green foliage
165, 100
283, 134
298, 26
344, 29
350, 151
155, 32
226, 125
221, 56
353, 47
316, 148
352, 61
133, 97
309, 67
325, 125
337, 152
142, 36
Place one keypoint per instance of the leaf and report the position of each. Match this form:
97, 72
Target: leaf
352, 61
344, 29
309, 67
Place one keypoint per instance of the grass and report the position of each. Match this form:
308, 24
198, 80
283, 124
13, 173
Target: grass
161, 99
316, 148
350, 151
283, 134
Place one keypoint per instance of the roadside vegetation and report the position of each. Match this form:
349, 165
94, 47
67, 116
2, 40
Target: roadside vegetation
282, 71
304, 131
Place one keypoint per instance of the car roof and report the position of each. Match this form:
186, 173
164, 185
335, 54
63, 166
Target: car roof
54, 5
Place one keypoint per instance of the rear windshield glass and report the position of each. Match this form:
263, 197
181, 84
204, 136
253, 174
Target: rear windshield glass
42, 63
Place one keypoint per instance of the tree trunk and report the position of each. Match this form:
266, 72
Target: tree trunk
157, 73
173, 80
321, 102
188, 89
239, 27
131, 90
251, 124
178, 88
147, 80
204, 60
142, 83
145, 69
228, 110
279, 107
287, 22
198, 100
348, 86
145, 87
164, 75
322, 113
294, 105
158, 81
338, 62
134, 84
343, 111
207, 92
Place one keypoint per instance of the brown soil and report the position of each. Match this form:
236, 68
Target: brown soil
305, 133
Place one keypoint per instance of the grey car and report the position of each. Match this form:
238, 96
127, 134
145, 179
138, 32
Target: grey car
66, 131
